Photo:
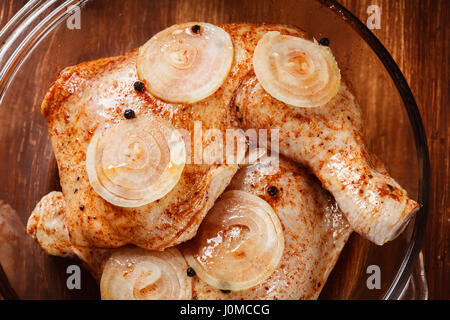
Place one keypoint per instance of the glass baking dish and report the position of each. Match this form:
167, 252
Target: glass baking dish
43, 38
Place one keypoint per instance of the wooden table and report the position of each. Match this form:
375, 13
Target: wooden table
416, 33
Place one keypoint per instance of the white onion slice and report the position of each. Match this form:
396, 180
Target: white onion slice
181, 66
296, 71
135, 162
238, 245
138, 274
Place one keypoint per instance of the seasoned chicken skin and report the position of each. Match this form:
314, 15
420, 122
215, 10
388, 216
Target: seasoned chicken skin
47, 225
315, 232
326, 139
97, 93
329, 140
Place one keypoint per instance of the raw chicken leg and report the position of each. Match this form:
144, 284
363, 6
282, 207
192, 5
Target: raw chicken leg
329, 140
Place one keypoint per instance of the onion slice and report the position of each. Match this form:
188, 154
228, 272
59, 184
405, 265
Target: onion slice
238, 245
138, 274
296, 71
185, 63
135, 162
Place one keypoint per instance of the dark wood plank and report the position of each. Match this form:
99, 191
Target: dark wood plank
416, 33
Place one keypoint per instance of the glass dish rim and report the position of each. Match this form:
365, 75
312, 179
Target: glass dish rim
16, 47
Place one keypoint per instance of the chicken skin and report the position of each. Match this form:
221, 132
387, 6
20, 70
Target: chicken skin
329, 140
315, 232
326, 139
97, 93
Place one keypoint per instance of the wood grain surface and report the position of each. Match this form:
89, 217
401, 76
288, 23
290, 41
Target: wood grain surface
416, 33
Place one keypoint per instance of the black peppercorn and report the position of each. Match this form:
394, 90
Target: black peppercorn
82, 207
129, 114
272, 191
324, 42
195, 28
226, 291
138, 86
190, 272
237, 108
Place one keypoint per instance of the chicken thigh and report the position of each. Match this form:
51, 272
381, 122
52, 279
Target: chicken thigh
315, 232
